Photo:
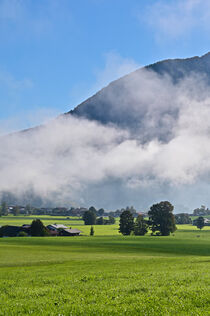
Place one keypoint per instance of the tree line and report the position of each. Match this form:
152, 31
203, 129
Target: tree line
90, 218
60, 211
36, 228
161, 221
201, 211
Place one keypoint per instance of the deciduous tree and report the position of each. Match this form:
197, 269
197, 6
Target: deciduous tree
140, 226
89, 218
200, 222
101, 212
161, 218
183, 218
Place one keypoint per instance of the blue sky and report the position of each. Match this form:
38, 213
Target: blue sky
56, 53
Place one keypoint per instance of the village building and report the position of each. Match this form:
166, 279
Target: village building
70, 232
14, 231
53, 230
62, 230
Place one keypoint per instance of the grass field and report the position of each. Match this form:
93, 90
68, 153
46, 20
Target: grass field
19, 220
106, 275
73, 222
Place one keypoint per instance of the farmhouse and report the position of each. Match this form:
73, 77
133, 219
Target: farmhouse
13, 231
10, 231
70, 232
54, 229
62, 230
206, 222
56, 226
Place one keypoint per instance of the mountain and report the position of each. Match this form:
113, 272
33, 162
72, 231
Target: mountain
142, 139
121, 102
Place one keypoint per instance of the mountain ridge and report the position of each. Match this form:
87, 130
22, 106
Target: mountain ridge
176, 69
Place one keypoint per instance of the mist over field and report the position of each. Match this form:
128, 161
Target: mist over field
152, 143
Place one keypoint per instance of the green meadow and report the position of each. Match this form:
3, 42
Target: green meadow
107, 274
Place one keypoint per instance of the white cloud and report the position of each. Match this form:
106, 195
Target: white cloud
115, 67
178, 18
72, 159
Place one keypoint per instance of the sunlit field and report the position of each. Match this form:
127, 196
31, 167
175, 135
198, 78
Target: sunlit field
100, 230
107, 274
46, 219
68, 221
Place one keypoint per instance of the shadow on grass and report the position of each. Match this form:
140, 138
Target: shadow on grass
117, 244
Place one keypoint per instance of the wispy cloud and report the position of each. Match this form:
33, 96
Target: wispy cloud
12, 90
35, 18
177, 18
115, 66
27, 119
8, 81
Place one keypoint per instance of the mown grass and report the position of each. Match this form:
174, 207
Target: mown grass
106, 275
20, 220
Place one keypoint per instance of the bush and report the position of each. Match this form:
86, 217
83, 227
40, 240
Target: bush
100, 221
91, 231
22, 234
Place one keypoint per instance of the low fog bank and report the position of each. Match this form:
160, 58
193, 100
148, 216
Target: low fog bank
153, 146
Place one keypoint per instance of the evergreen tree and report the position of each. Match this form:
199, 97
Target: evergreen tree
91, 231
126, 223
38, 229
92, 209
